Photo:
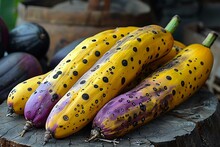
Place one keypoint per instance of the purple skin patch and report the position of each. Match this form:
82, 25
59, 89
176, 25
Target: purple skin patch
59, 107
54, 128
10, 105
129, 110
39, 105
116, 109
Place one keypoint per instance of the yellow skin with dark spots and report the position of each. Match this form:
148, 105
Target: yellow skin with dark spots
103, 42
192, 74
107, 78
186, 76
163, 90
19, 95
67, 73
177, 47
151, 67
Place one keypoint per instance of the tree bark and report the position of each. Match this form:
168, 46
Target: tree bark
193, 123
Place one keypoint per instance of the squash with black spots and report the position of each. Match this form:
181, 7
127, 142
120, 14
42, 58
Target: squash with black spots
166, 88
151, 67
19, 95
108, 77
67, 72
59, 55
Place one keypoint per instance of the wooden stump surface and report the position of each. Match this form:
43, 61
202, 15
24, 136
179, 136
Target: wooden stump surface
194, 123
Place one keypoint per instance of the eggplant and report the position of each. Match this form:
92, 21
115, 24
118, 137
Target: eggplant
30, 38
15, 68
4, 37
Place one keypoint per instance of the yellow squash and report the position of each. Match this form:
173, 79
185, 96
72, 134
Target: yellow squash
151, 67
166, 88
19, 95
107, 77
67, 72
177, 47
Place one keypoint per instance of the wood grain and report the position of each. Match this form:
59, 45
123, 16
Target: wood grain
194, 123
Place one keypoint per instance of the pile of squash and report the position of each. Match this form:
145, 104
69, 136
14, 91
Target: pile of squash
118, 79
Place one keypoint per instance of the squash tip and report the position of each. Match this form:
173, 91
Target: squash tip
173, 24
210, 39
47, 137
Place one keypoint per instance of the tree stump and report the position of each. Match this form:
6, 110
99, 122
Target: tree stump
193, 123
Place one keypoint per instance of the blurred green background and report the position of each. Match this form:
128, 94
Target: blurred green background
8, 11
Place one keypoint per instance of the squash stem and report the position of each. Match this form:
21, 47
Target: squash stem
95, 133
28, 126
10, 112
210, 39
47, 137
172, 25
115, 142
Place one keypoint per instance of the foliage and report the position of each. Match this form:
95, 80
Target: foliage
8, 11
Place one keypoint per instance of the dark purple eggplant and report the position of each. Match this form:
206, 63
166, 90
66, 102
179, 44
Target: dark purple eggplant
42, 3
4, 37
59, 55
30, 38
15, 68
44, 63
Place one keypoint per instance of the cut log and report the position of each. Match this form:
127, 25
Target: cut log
193, 123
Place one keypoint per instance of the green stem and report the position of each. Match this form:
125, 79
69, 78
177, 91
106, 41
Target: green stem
172, 25
210, 39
